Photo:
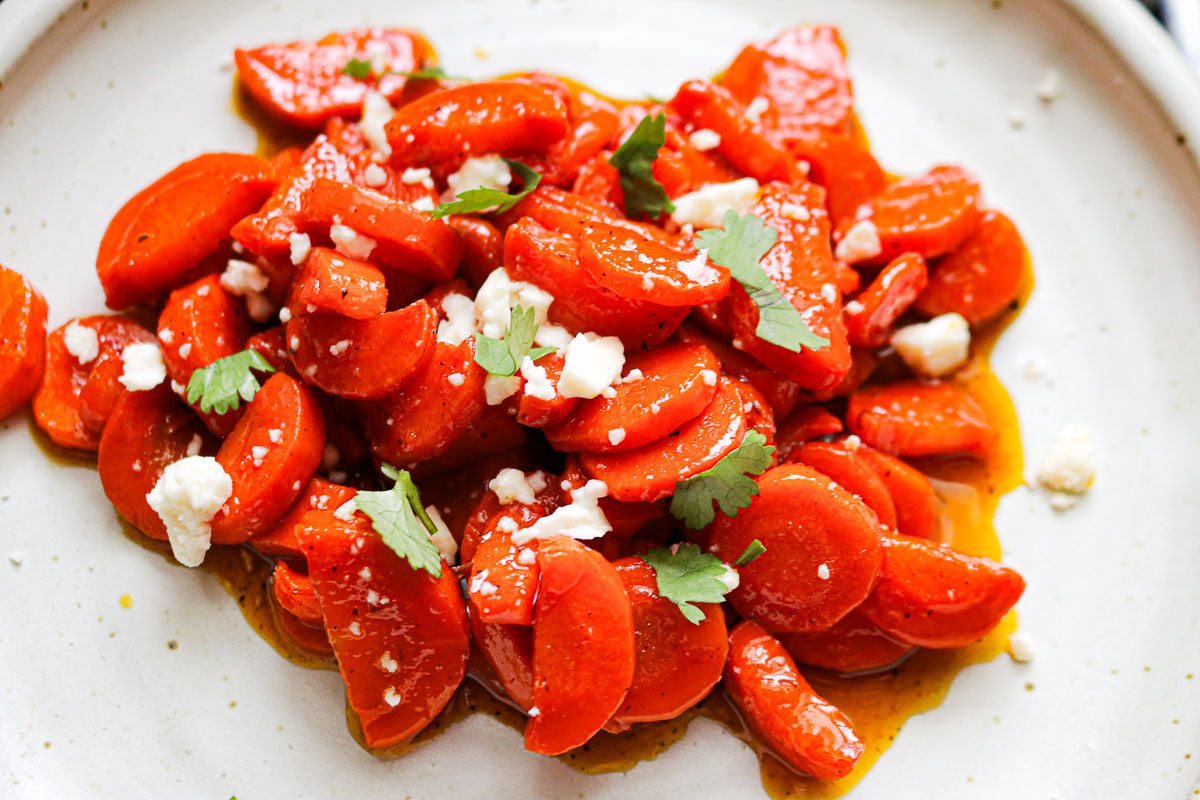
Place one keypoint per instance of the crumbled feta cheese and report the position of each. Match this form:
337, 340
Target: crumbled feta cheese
609, 393
796, 212
591, 364
299, 244
350, 242
143, 366
860, 243
456, 379
729, 577
419, 175
387, 663
185, 349
258, 453
166, 336
499, 294
345, 511
339, 347
354, 628
1049, 88
852, 308
459, 323
375, 176
82, 342
443, 540
829, 292
704, 139
481, 585
480, 172
755, 110
616, 436
423, 204
698, 269
534, 711
527, 557
582, 518
242, 277
554, 336
852, 442
1070, 465
285, 315
823, 572
186, 497
507, 525
709, 376
377, 53
1020, 647
498, 388
511, 486
377, 112
275, 434
633, 376
706, 207
537, 382
934, 348
391, 696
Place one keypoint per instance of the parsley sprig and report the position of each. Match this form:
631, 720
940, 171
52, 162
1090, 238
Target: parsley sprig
223, 384
504, 356
634, 160
740, 247
358, 69
688, 576
726, 483
491, 200
401, 522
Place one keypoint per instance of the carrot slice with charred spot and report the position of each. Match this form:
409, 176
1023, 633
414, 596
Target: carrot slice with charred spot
804, 424
823, 551
677, 383
912, 492
400, 635
156, 240
442, 129
889, 295
332, 282
677, 663
841, 463
294, 592
509, 650
319, 495
803, 728
651, 471
930, 596
22, 340
853, 645
981, 277
363, 359
270, 455
640, 268
504, 577
919, 418
583, 646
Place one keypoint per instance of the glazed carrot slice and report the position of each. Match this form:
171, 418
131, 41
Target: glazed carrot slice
626, 519
270, 455
919, 418
100, 391
930, 596
592, 128
331, 282
889, 295
303, 83
538, 412
156, 240
661, 390
271, 344
650, 472
928, 214
360, 359
294, 592
677, 663
146, 432
400, 635
823, 551
916, 501
853, 645
305, 635
432, 411
982, 276
801, 266
492, 433
583, 646
844, 166
846, 278
759, 415
802, 76
780, 392
640, 268
681, 168
388, 232
803, 728
704, 105
443, 129
570, 213
22, 340
548, 259
318, 495
841, 463
509, 650
483, 248
504, 577
804, 424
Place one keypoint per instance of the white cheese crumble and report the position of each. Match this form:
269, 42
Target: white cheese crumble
755, 110
1020, 647
934, 348
527, 557
852, 308
591, 364
709, 376
1070, 466
534, 711
443, 540
456, 379
350, 242
247, 280
698, 270
823, 572
387, 663
82, 342
459, 323
423, 204
419, 175
299, 244
552, 336
377, 112
185, 350
730, 578
194, 446
706, 207
796, 212
339, 348
375, 176
143, 366
860, 243
829, 292
345, 512
186, 497
537, 382
497, 297
285, 315
511, 486
498, 388
582, 518
704, 139
616, 436
481, 172
391, 696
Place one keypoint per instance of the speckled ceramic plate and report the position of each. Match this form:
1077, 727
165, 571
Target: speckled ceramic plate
99, 98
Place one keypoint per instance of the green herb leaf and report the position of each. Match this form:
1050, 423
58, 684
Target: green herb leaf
401, 522
431, 74
726, 483
357, 69
504, 356
223, 384
490, 200
644, 195
740, 247
688, 576
750, 554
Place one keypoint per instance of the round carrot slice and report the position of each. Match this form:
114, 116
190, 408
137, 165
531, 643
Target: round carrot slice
889, 295
853, 645
294, 592
930, 596
22, 340
661, 390
802, 425
271, 344
823, 551
981, 277
270, 455
504, 576
758, 411
780, 392
509, 650
912, 492
803, 728
841, 463
919, 418
651, 471
677, 663
306, 636
640, 268
483, 247
338, 284
360, 359
583, 646
540, 412
844, 166
319, 495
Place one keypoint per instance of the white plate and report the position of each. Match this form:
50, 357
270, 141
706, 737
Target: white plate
109, 96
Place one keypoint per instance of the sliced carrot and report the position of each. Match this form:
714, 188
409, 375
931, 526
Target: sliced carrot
681, 168
509, 651
912, 492
889, 295
331, 282
493, 432
823, 551
759, 415
538, 412
844, 166
626, 519
319, 495
920, 418
802, 425
504, 576
640, 268
271, 344
841, 463
22, 340
483, 248
982, 276
294, 592
305, 636
780, 392
853, 645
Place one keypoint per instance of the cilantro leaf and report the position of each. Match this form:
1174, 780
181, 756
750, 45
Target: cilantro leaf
644, 195
401, 522
357, 69
740, 247
688, 576
504, 356
430, 74
727, 483
491, 200
750, 554
223, 384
